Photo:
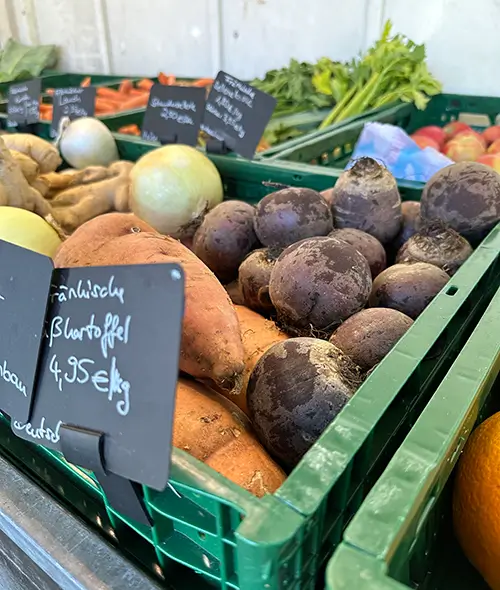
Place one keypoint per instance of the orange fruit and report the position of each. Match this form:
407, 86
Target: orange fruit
476, 500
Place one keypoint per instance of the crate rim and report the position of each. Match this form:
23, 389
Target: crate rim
384, 519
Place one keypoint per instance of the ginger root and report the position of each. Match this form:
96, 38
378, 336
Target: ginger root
28, 166
44, 153
92, 192
16, 192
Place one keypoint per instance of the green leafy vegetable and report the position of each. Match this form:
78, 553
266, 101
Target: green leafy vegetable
293, 87
393, 69
19, 62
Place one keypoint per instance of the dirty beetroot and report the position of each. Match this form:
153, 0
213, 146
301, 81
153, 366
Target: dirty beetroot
295, 391
318, 283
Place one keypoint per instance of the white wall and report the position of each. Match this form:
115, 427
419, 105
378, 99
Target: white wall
247, 37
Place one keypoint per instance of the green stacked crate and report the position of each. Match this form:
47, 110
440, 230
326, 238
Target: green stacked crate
333, 147
282, 541
402, 536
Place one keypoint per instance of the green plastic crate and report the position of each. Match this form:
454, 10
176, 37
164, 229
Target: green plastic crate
304, 122
310, 123
402, 536
333, 147
283, 540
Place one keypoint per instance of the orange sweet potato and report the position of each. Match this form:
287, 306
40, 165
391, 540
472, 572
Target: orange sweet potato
211, 346
215, 431
258, 335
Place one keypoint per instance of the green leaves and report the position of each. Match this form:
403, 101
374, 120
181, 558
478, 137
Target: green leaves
294, 86
392, 69
19, 62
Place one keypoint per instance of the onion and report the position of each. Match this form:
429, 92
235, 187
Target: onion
172, 188
87, 142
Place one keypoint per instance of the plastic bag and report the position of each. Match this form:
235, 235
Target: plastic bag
393, 147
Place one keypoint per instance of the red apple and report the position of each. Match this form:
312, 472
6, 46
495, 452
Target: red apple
451, 129
491, 134
477, 135
494, 147
491, 160
424, 141
467, 148
434, 132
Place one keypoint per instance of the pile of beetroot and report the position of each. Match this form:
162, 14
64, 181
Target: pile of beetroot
461, 143
344, 273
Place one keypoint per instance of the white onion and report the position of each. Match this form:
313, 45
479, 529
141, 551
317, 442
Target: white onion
88, 142
173, 187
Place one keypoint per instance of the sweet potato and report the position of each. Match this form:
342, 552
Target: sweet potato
258, 335
44, 153
211, 346
215, 431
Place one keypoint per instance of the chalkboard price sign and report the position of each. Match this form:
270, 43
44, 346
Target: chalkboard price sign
237, 114
73, 103
174, 114
110, 364
23, 107
25, 278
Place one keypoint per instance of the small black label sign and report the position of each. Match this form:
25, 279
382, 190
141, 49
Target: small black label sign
174, 114
237, 114
73, 103
25, 278
110, 364
23, 107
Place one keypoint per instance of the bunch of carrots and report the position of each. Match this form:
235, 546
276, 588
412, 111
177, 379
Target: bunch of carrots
127, 97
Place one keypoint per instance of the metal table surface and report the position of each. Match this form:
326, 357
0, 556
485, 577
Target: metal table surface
43, 546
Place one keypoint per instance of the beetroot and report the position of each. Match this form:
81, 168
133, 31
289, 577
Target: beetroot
291, 214
365, 244
465, 196
367, 336
225, 237
409, 288
318, 283
295, 390
436, 244
254, 275
366, 197
411, 223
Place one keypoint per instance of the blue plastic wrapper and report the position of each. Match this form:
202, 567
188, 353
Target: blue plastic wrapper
393, 147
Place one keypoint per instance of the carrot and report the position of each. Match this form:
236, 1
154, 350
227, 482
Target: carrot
203, 82
171, 80
135, 103
130, 129
125, 87
105, 106
44, 107
109, 93
206, 353
86, 82
163, 79
138, 92
145, 84
50, 91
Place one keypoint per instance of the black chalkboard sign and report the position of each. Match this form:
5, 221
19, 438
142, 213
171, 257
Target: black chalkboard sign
73, 103
23, 107
25, 278
237, 114
174, 114
110, 364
